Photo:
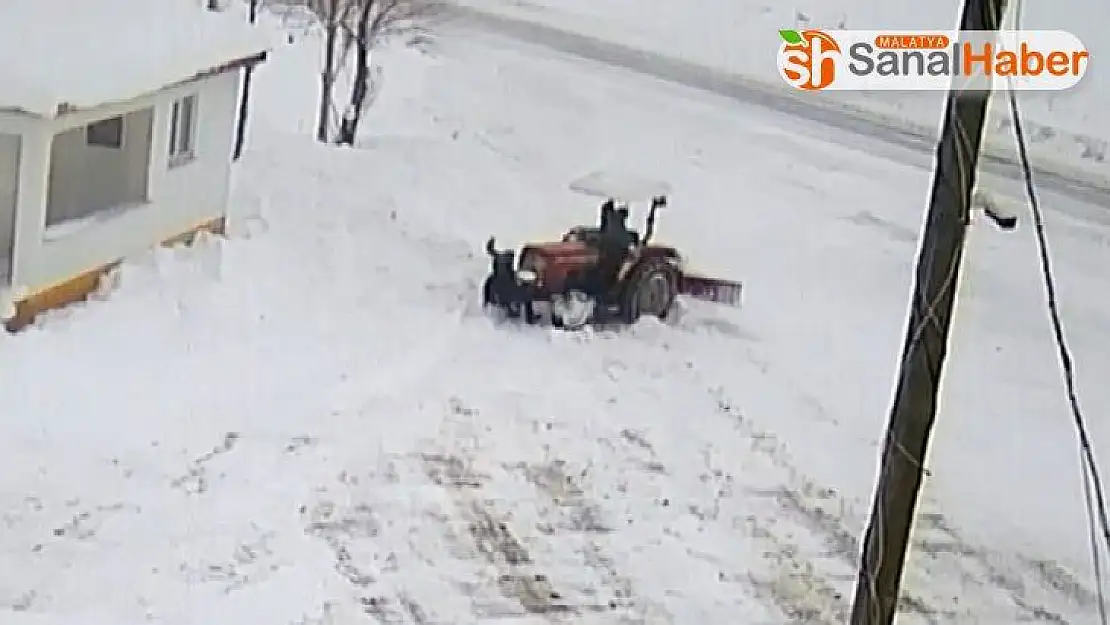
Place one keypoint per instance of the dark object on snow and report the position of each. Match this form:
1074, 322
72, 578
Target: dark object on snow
995, 209
502, 289
600, 274
615, 243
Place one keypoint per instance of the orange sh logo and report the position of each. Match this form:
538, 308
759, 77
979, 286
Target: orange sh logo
807, 59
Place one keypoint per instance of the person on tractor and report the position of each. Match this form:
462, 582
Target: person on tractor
608, 207
615, 242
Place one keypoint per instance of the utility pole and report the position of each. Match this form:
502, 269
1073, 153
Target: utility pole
894, 507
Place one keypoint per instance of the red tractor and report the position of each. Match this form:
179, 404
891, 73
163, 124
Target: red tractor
599, 274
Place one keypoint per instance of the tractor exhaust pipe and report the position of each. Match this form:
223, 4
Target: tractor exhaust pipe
649, 229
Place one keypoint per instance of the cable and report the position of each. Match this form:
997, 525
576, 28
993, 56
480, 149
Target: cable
1092, 535
1094, 497
1093, 492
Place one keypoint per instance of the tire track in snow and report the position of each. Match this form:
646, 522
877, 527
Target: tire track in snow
342, 529
580, 518
1036, 591
804, 534
807, 531
531, 557
571, 530
656, 526
781, 572
770, 558
488, 522
383, 539
519, 579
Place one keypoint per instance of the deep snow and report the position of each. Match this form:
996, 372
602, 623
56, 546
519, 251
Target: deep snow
310, 423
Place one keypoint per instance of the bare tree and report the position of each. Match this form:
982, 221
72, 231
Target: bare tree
333, 15
378, 21
358, 26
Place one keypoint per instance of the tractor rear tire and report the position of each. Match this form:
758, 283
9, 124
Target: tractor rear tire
651, 289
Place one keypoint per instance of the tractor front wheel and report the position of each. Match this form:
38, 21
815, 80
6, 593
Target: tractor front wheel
651, 290
573, 310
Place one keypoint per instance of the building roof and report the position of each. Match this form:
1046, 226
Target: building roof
75, 54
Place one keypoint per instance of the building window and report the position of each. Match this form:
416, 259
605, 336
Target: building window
86, 182
106, 133
183, 129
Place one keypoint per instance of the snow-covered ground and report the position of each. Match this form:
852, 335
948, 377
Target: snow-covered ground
310, 423
1068, 130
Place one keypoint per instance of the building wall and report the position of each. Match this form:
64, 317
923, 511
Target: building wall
9, 180
180, 198
204, 182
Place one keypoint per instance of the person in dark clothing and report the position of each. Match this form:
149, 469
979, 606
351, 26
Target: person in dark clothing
614, 243
608, 208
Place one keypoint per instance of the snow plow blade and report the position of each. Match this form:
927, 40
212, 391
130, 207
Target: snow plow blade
714, 290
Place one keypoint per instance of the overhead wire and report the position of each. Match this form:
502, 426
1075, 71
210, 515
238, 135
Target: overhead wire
1098, 521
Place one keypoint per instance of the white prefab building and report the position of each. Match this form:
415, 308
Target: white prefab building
117, 124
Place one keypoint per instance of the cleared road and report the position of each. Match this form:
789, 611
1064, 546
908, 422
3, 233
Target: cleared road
876, 135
